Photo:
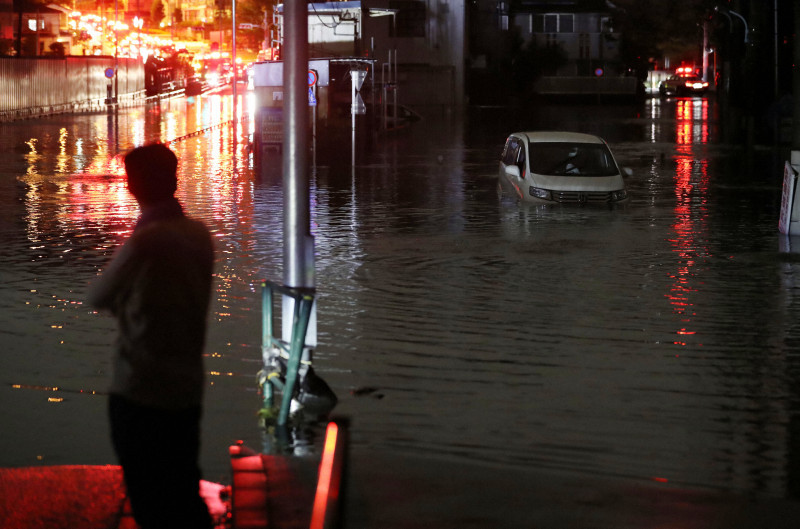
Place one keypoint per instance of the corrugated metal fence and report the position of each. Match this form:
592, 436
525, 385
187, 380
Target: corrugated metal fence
51, 85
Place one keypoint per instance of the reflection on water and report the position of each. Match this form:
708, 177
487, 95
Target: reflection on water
690, 228
652, 341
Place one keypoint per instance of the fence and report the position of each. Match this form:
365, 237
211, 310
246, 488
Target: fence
51, 85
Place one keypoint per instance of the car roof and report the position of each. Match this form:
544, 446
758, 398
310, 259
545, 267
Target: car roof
543, 136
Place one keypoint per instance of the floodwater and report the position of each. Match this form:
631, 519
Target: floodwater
653, 341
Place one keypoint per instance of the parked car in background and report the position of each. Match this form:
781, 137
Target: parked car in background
680, 85
560, 167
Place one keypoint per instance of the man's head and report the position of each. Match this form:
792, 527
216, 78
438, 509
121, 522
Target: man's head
152, 173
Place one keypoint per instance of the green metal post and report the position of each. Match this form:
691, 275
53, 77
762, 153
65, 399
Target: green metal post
266, 340
302, 315
303, 304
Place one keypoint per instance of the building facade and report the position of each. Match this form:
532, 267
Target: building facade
30, 30
419, 45
583, 29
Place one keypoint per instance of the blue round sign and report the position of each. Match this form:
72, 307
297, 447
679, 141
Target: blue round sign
599, 72
109, 73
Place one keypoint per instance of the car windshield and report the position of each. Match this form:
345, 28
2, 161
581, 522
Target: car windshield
571, 159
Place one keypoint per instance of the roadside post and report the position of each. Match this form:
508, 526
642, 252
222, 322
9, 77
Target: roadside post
110, 74
357, 106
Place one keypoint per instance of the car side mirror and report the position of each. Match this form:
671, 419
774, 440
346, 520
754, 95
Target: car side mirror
512, 170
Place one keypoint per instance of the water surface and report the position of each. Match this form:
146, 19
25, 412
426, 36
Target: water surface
652, 341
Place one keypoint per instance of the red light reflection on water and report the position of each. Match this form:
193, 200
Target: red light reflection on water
691, 186
692, 121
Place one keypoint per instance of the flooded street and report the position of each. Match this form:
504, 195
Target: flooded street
655, 341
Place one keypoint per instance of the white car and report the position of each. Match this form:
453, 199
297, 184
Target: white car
560, 167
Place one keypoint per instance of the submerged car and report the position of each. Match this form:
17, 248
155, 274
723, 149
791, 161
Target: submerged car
560, 167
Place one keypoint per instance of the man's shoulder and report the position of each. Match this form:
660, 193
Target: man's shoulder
177, 228
196, 225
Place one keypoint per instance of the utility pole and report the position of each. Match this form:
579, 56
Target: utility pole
298, 272
298, 244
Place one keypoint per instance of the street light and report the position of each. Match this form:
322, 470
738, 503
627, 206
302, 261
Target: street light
740, 17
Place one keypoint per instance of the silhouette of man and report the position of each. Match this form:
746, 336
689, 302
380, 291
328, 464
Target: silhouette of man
158, 287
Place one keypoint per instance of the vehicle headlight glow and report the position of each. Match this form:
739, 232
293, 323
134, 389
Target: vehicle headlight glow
212, 78
538, 192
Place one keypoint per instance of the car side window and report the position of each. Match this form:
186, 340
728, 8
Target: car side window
521, 159
510, 152
504, 154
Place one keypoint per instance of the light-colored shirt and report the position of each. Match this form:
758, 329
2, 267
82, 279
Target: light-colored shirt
158, 286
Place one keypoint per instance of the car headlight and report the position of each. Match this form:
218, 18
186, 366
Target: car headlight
538, 192
616, 196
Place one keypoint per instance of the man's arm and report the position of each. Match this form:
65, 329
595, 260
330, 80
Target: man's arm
105, 288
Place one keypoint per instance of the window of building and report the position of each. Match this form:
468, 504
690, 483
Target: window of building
566, 23
410, 19
550, 23
553, 23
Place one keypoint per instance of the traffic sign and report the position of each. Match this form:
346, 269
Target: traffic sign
109, 73
312, 78
358, 77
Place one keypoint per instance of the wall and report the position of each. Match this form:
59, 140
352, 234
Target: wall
442, 50
33, 86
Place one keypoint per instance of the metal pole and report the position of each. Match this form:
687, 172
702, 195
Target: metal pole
116, 53
353, 120
233, 60
298, 245
775, 24
705, 51
795, 158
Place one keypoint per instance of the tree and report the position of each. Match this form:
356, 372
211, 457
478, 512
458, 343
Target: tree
532, 62
661, 29
58, 49
156, 12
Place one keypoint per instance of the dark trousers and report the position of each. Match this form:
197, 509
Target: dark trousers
158, 450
